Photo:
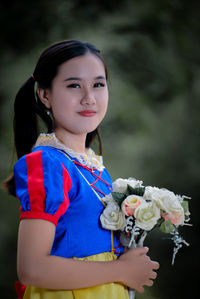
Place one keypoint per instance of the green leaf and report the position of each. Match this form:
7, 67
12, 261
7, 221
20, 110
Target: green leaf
118, 197
137, 191
129, 190
167, 227
185, 206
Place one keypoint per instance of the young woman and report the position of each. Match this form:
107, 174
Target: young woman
63, 252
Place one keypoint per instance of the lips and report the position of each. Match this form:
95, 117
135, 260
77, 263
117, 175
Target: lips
87, 113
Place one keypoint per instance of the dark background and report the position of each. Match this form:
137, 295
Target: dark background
151, 131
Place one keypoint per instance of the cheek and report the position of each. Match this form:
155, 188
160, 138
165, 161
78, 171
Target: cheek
61, 111
103, 101
103, 109
61, 102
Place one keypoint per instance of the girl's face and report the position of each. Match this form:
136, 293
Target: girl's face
78, 96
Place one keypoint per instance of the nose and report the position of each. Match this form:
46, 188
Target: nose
88, 98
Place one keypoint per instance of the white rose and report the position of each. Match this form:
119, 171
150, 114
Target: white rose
120, 185
151, 193
107, 198
112, 218
146, 215
168, 202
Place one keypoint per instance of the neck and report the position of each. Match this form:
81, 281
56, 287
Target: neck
70, 140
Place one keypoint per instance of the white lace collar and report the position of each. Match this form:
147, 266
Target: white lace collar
89, 158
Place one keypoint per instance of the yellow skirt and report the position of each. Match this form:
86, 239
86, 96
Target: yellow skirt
105, 291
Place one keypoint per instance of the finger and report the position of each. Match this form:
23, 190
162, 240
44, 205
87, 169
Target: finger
153, 275
142, 250
156, 265
149, 283
147, 258
138, 251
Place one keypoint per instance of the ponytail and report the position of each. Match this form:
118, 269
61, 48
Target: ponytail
26, 109
25, 121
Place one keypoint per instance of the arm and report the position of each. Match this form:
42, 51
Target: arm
37, 267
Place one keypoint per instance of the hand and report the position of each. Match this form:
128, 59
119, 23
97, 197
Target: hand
136, 268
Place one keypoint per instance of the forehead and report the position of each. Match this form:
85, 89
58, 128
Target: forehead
85, 65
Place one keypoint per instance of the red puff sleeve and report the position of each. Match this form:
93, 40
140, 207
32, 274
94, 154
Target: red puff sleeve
42, 186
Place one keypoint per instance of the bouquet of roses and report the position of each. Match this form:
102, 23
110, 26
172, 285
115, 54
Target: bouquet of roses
135, 210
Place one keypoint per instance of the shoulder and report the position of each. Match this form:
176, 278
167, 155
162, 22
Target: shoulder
42, 155
45, 163
42, 168
37, 163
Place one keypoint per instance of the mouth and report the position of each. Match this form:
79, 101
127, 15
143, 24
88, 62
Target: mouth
87, 113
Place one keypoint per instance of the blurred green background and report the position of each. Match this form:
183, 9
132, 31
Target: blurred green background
152, 128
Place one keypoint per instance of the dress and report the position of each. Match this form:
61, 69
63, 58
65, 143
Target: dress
56, 185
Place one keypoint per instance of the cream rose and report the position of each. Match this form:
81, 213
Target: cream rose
168, 202
120, 185
130, 204
112, 218
147, 215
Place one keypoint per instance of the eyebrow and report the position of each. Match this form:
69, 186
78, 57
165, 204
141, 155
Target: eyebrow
79, 79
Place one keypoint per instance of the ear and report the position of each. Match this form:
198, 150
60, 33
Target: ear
43, 94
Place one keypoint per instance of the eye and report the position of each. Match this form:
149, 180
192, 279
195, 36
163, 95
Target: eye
74, 85
99, 84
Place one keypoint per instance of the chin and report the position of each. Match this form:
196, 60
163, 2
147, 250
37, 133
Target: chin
88, 129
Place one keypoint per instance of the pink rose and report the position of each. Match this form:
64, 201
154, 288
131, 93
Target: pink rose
174, 217
130, 204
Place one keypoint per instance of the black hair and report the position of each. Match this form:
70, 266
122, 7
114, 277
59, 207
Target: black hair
28, 106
